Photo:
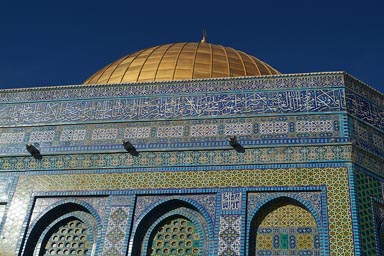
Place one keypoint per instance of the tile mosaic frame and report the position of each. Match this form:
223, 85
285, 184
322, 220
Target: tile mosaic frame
196, 180
64, 200
251, 131
317, 208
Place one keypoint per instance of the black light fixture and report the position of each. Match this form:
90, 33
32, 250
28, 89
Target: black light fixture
34, 151
130, 148
236, 145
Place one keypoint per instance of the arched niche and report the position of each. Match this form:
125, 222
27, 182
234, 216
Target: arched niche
283, 226
67, 228
174, 225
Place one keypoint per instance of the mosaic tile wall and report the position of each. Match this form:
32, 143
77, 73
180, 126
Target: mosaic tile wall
259, 155
171, 107
175, 126
115, 239
173, 135
336, 180
229, 235
378, 215
367, 160
364, 102
41, 205
366, 188
144, 202
367, 138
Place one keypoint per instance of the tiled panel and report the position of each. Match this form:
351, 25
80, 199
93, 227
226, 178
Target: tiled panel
260, 155
335, 179
185, 134
175, 107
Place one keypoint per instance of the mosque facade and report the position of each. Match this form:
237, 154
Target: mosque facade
193, 149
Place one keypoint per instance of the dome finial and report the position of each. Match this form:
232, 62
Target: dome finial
204, 40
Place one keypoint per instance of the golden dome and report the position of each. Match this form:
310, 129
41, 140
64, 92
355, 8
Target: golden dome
181, 61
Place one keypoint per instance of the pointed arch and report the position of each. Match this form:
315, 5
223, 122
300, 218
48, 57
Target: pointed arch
165, 214
69, 226
283, 224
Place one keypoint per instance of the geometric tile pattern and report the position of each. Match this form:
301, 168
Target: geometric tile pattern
144, 202
366, 188
310, 198
12, 137
335, 180
289, 230
42, 136
114, 242
229, 235
116, 231
72, 135
259, 155
42, 204
161, 134
378, 214
239, 128
203, 130
85, 138
137, 132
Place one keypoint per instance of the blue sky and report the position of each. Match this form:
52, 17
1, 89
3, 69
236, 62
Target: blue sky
44, 43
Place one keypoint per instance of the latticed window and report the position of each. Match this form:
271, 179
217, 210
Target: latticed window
177, 236
68, 238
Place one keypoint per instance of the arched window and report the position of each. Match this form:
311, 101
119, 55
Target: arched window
174, 227
284, 227
175, 236
67, 229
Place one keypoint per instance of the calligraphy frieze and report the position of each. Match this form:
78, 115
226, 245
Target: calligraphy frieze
292, 81
365, 110
364, 90
173, 107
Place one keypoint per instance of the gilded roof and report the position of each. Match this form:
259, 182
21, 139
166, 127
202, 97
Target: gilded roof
180, 61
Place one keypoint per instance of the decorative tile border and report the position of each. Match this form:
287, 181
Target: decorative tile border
366, 137
116, 232
309, 80
369, 161
229, 235
266, 155
366, 188
362, 89
364, 110
174, 107
173, 135
43, 203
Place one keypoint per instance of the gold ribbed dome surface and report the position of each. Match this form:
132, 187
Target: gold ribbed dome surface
181, 61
